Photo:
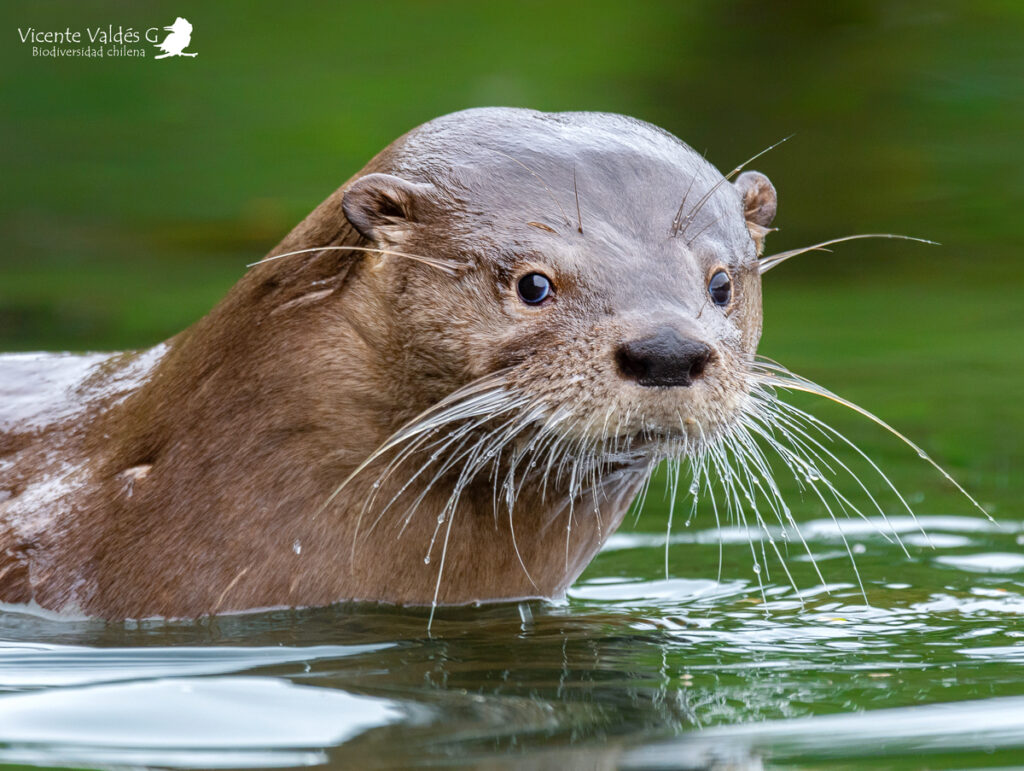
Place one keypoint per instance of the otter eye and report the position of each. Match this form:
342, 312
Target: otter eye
534, 288
720, 288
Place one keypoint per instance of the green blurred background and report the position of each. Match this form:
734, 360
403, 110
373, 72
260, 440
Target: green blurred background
135, 191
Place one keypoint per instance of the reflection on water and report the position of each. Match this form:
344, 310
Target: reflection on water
633, 670
250, 719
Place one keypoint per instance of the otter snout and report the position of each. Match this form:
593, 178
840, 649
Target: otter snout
663, 359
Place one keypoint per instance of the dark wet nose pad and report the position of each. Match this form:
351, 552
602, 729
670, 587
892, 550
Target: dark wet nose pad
664, 359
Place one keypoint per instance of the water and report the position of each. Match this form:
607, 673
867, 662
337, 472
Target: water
632, 670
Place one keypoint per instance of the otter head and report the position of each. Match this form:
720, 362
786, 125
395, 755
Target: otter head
607, 283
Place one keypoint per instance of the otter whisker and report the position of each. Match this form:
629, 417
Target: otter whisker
707, 196
809, 458
536, 447
759, 472
448, 513
489, 447
570, 462
788, 516
804, 461
748, 449
531, 450
413, 507
545, 430
791, 457
549, 442
598, 492
842, 535
701, 202
797, 436
481, 397
829, 432
641, 498
597, 481
509, 486
772, 260
420, 444
438, 448
753, 158
735, 504
586, 459
671, 490
576, 190
797, 466
748, 457
541, 180
576, 483
797, 383
706, 460
674, 470
697, 235
485, 396
502, 404
463, 436
553, 448
568, 523
448, 266
674, 230
750, 488
440, 570
515, 548
471, 463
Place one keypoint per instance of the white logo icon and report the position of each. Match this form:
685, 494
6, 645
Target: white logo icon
176, 43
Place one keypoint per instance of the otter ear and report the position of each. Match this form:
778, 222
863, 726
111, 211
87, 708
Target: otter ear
759, 205
383, 207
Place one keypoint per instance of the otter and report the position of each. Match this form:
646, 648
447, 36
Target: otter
446, 385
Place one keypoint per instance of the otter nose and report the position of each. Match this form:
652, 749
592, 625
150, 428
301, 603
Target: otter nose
663, 359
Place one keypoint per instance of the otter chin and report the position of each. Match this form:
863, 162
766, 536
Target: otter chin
446, 385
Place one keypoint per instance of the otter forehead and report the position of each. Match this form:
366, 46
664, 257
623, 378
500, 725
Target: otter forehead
619, 217
636, 185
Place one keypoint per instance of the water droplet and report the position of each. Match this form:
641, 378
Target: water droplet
440, 519
757, 567
297, 547
426, 560
375, 485
694, 488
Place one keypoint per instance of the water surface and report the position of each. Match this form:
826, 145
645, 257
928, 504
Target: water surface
633, 669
